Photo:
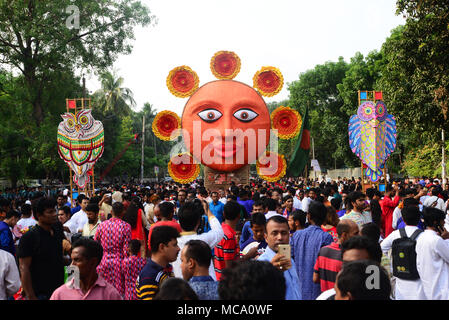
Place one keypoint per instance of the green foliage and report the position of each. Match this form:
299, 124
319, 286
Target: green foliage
42, 41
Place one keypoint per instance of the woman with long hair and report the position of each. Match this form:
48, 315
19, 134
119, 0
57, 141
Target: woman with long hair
134, 216
330, 225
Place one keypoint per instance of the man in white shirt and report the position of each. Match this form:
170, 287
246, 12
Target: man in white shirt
432, 256
9, 275
79, 219
297, 199
90, 228
434, 200
406, 289
189, 217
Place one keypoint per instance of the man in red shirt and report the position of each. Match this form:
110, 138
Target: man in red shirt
329, 260
228, 250
165, 212
387, 205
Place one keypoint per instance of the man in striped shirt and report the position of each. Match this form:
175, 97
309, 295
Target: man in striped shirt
329, 260
164, 249
228, 250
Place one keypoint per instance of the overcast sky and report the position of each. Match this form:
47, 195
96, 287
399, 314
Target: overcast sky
292, 35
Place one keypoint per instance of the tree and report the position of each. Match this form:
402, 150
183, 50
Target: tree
416, 76
113, 97
318, 89
42, 40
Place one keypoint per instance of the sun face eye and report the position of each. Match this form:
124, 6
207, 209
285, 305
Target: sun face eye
245, 115
210, 115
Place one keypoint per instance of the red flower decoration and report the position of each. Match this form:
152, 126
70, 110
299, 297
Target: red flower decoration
225, 65
182, 81
287, 121
183, 169
269, 169
165, 123
268, 81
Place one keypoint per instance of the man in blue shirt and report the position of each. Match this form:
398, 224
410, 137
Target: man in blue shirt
277, 232
216, 207
195, 261
258, 207
6, 239
306, 245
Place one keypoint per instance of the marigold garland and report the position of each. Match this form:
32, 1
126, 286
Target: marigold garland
185, 171
225, 65
182, 81
287, 121
165, 123
268, 81
280, 172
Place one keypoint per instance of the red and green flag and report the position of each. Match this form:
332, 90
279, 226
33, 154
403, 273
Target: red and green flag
300, 156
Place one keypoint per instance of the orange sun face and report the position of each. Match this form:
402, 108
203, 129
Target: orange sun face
226, 125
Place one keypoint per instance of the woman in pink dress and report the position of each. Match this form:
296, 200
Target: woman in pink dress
114, 235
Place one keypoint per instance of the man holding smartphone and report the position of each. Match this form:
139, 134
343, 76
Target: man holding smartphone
278, 252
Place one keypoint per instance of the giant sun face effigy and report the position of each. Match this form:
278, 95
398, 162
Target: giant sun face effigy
225, 124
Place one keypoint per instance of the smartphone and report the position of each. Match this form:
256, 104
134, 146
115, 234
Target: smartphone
285, 250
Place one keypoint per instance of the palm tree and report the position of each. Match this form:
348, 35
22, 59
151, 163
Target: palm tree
113, 97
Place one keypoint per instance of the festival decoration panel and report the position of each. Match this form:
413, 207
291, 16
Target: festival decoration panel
80, 144
372, 136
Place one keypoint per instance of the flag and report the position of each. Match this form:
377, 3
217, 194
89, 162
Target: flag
300, 156
71, 104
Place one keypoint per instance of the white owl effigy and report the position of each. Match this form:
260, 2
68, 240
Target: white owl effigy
80, 143
372, 136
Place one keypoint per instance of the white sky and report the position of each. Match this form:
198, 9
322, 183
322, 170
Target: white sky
292, 35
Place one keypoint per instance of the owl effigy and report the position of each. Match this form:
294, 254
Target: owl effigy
372, 136
80, 143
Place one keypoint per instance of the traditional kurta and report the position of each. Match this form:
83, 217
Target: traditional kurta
131, 268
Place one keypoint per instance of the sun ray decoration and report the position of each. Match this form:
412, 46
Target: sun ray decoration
269, 171
268, 81
287, 121
165, 123
183, 169
182, 81
225, 65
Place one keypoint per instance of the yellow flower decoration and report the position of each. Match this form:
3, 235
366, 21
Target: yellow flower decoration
165, 123
268, 81
182, 81
266, 171
225, 65
287, 121
183, 169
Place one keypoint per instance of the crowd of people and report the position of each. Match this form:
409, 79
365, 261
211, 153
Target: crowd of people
295, 239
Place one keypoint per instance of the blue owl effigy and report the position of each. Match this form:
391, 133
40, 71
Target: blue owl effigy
372, 136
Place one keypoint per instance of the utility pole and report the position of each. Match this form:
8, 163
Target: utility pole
443, 162
143, 145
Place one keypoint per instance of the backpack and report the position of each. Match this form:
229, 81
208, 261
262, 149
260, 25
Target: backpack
404, 256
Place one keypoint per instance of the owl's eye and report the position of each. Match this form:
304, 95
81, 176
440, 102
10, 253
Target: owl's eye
210, 115
84, 120
380, 109
245, 115
368, 110
70, 123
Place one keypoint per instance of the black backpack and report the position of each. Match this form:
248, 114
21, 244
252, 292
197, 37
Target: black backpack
404, 256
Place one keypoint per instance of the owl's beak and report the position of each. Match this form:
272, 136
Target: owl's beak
374, 123
77, 127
